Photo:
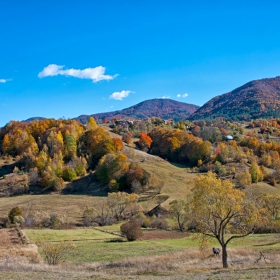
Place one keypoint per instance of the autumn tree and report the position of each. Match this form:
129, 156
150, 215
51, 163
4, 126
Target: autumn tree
79, 164
180, 210
6, 144
271, 203
70, 146
144, 142
136, 177
42, 161
256, 173
117, 203
68, 174
118, 144
222, 212
112, 167
127, 137
97, 143
91, 124
243, 179
55, 143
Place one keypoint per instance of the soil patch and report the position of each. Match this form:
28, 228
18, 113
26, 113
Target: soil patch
9, 237
11, 248
161, 234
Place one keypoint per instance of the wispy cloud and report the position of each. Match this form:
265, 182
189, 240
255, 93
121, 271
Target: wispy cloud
165, 97
182, 95
95, 74
3, 81
120, 95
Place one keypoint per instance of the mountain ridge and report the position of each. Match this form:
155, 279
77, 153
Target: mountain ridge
161, 108
255, 99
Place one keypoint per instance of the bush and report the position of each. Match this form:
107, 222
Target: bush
14, 213
146, 223
56, 184
140, 217
69, 174
159, 223
4, 222
131, 230
55, 252
270, 179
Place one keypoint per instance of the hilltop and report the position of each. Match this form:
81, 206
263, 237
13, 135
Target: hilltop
256, 99
160, 108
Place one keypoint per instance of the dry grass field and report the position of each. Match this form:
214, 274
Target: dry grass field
13, 250
188, 262
72, 205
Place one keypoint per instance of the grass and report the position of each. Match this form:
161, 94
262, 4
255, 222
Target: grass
69, 234
72, 205
112, 228
177, 181
93, 251
88, 251
152, 259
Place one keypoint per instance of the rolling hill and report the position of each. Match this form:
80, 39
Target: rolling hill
161, 108
256, 99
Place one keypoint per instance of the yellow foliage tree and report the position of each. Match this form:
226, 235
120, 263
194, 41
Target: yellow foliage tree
256, 173
222, 212
180, 210
270, 203
91, 124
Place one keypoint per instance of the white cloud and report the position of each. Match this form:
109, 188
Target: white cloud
95, 74
165, 97
3, 81
120, 95
182, 95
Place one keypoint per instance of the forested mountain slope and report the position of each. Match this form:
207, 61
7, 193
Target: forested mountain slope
161, 108
256, 99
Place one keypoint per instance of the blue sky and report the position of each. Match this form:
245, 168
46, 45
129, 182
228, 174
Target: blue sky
67, 58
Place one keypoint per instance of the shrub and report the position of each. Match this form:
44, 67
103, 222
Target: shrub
159, 223
140, 217
131, 230
55, 222
146, 223
69, 174
14, 213
270, 179
88, 216
55, 252
4, 222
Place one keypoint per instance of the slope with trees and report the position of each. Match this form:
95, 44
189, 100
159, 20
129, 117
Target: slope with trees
256, 99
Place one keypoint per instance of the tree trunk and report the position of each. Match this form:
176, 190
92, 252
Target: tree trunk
224, 256
181, 225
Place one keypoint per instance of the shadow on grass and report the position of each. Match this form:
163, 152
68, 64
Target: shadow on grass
180, 165
267, 244
7, 169
87, 185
